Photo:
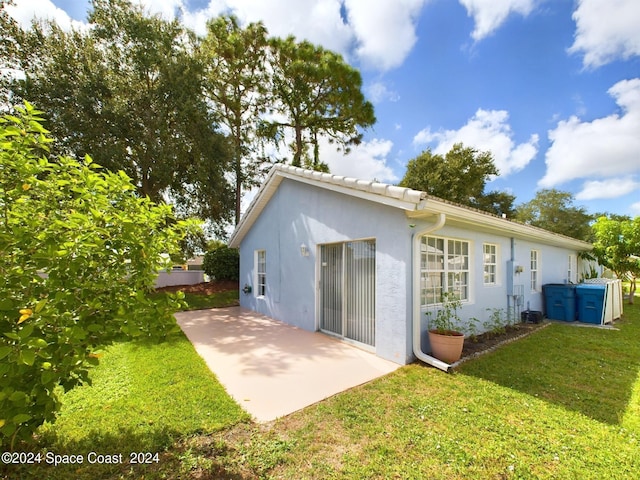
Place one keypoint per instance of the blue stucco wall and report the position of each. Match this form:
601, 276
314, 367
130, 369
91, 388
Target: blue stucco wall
553, 263
301, 214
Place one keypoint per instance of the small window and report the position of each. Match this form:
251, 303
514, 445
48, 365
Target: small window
571, 269
490, 263
535, 263
261, 273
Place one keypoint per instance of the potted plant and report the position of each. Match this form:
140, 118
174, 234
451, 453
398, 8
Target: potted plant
445, 330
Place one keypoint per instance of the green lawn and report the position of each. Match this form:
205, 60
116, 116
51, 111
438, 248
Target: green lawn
144, 398
562, 403
215, 300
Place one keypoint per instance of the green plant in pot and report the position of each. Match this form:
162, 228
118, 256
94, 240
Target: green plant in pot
445, 329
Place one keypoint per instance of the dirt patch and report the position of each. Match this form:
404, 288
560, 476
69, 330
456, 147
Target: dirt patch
204, 288
489, 340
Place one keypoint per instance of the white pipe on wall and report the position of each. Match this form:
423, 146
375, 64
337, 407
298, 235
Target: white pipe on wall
415, 265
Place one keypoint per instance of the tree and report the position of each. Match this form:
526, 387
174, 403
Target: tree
315, 92
10, 34
129, 90
460, 176
80, 252
236, 83
553, 210
617, 246
222, 263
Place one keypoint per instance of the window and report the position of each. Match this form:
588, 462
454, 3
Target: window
444, 266
534, 270
261, 272
490, 263
571, 269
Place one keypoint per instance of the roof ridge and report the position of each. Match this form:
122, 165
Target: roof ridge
370, 186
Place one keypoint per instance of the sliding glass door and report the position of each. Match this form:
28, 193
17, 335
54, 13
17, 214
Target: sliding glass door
347, 290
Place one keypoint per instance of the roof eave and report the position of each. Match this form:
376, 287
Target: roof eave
489, 222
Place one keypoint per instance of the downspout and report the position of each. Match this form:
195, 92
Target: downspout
415, 265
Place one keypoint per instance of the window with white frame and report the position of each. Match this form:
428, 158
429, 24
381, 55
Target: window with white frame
535, 270
490, 263
444, 267
261, 272
572, 269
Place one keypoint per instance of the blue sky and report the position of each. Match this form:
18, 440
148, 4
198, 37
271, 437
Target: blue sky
550, 87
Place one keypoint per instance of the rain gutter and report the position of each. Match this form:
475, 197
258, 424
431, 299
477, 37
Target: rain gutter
415, 265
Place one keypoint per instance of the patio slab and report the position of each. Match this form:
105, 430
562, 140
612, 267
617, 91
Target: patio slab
273, 369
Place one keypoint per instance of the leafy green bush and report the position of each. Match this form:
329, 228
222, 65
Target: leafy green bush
79, 255
222, 263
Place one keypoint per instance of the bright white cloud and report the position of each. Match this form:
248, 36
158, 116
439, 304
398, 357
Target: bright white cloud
609, 188
635, 208
606, 30
24, 11
384, 30
487, 130
605, 147
488, 15
367, 161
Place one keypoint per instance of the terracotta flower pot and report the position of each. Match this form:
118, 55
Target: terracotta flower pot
447, 348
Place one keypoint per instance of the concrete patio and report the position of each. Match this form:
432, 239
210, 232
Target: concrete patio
272, 369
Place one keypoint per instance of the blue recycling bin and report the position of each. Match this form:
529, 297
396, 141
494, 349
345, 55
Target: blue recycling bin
560, 301
591, 302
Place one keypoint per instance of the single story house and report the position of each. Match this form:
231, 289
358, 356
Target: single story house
364, 261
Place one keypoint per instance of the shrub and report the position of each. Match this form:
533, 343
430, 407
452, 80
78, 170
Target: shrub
80, 252
222, 263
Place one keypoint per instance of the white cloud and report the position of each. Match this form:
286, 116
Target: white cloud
378, 92
635, 208
487, 130
610, 188
367, 161
24, 11
606, 30
318, 21
384, 30
378, 33
488, 15
604, 147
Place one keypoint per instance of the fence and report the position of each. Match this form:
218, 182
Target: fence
179, 277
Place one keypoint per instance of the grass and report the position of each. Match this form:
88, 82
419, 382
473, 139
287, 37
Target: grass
215, 300
144, 398
197, 301
562, 403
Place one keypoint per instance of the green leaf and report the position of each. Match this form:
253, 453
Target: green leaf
17, 397
28, 357
6, 304
25, 331
40, 305
48, 376
21, 418
4, 351
12, 336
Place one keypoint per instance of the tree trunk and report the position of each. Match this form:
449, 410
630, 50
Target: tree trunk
238, 167
298, 153
632, 290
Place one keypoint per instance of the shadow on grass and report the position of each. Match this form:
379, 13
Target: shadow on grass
127, 455
588, 370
